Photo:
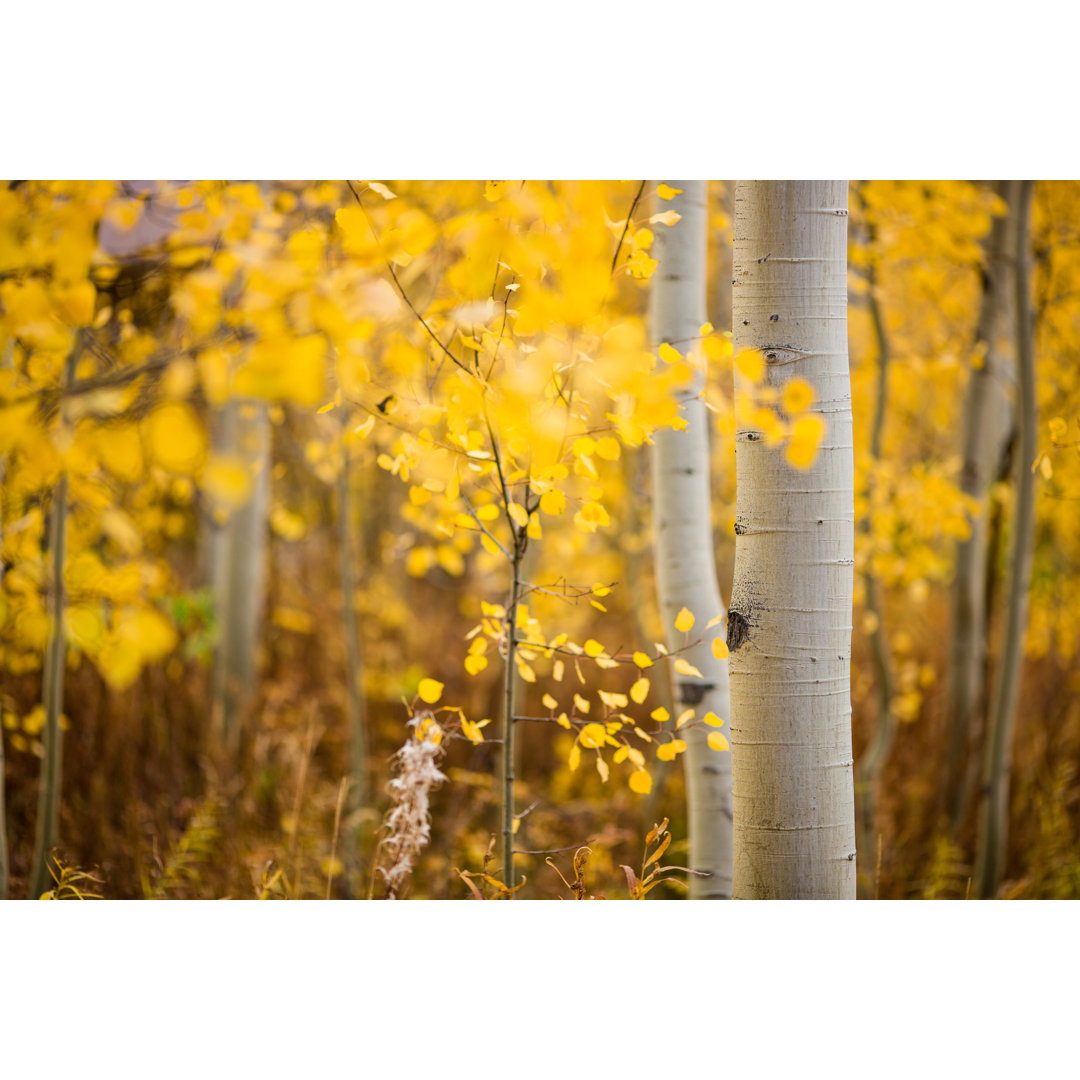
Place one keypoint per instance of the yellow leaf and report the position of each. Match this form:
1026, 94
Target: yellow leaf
717, 741
684, 718
684, 667
608, 448
660, 715
593, 648
665, 217
475, 663
1058, 429
667, 192
669, 354
518, 514
430, 690
602, 768
669, 750
549, 702
575, 757
494, 189
684, 621
525, 671
640, 691
806, 435
642, 660
640, 782
720, 649
593, 736
381, 189
563, 721
751, 364
713, 720
716, 620
553, 502
227, 480
798, 396
176, 439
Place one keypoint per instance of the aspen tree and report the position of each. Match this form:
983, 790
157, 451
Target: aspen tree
52, 678
685, 568
238, 567
355, 702
997, 759
5, 363
789, 623
987, 424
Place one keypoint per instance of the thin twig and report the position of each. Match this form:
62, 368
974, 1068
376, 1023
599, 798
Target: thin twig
404, 296
626, 225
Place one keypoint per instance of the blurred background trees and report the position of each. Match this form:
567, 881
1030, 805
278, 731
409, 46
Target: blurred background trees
207, 589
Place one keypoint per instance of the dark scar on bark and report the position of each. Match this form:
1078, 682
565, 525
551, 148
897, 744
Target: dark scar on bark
694, 693
738, 630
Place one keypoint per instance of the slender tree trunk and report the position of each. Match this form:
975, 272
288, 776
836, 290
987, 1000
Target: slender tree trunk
789, 626
987, 420
238, 569
997, 763
873, 761
355, 710
685, 569
5, 866
48, 811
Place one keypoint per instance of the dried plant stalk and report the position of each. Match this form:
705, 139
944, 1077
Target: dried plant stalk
408, 824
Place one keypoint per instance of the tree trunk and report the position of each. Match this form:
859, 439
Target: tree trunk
872, 764
238, 569
789, 627
5, 866
997, 761
52, 681
355, 702
987, 420
685, 569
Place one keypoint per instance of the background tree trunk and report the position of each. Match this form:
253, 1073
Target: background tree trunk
685, 568
238, 568
52, 680
987, 424
997, 761
789, 625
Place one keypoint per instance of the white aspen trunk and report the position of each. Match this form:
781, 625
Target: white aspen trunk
789, 626
685, 568
987, 424
238, 568
993, 831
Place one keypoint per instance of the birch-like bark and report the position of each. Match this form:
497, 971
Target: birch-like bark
789, 625
987, 423
238, 569
685, 568
997, 762
48, 811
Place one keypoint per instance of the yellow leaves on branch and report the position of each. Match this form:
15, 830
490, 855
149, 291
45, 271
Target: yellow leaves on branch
684, 621
430, 690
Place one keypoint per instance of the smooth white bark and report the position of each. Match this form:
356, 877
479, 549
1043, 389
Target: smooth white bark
992, 845
238, 567
988, 422
789, 626
685, 567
